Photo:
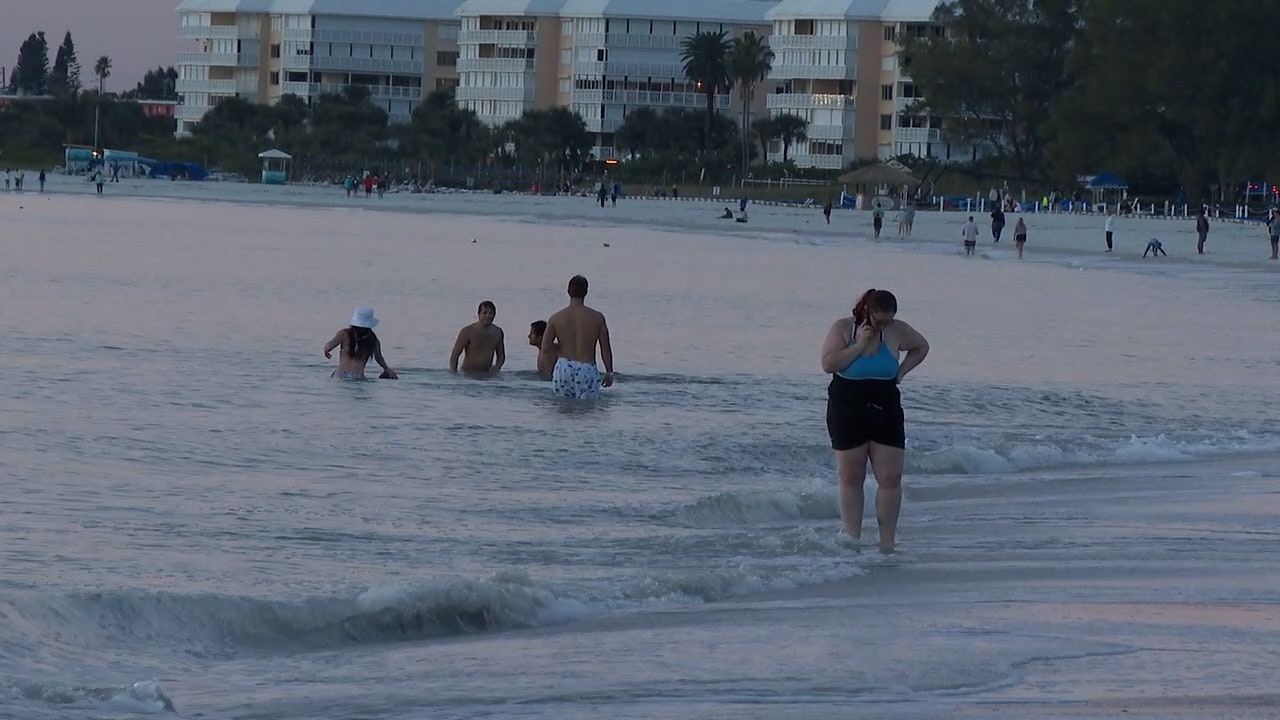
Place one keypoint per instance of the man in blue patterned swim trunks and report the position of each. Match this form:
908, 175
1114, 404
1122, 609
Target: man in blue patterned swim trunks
578, 329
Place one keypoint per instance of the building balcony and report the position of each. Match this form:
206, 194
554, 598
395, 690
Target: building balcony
359, 36
813, 42
209, 32
813, 72
296, 62
821, 162
224, 87
919, 135
209, 59
350, 64
903, 104
506, 65
301, 89
603, 125
628, 40
193, 113
635, 70
829, 132
647, 98
799, 101
506, 38
297, 34
521, 94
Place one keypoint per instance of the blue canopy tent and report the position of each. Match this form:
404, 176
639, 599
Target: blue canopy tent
1105, 182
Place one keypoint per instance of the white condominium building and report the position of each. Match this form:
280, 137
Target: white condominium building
836, 67
601, 58
261, 50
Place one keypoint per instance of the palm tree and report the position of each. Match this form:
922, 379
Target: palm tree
704, 56
790, 128
749, 61
765, 130
102, 69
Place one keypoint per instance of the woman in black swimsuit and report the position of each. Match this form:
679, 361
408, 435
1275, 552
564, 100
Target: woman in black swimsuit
864, 409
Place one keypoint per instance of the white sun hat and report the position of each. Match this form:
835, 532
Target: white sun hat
363, 318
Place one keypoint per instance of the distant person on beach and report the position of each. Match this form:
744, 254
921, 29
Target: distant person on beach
826, 211
8, 178
41, 179
1273, 228
997, 223
1110, 227
877, 219
864, 407
98, 180
970, 234
579, 329
1019, 235
728, 214
481, 341
1155, 248
358, 343
1202, 230
546, 358
909, 216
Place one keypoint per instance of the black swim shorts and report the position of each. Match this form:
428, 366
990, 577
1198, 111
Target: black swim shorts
862, 411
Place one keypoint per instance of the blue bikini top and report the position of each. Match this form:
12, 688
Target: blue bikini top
883, 365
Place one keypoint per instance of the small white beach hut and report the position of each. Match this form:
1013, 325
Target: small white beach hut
275, 166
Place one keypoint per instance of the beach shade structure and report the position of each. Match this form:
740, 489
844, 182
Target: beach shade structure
275, 166
1107, 182
878, 179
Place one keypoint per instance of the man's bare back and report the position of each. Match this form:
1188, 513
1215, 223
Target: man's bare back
579, 329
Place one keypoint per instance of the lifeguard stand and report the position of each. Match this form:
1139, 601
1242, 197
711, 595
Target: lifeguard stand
275, 166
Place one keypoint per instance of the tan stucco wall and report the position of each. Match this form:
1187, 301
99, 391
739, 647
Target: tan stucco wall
866, 117
547, 63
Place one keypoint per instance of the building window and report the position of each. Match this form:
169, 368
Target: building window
446, 83
602, 55
886, 122
804, 27
447, 59
275, 77
886, 92
275, 50
890, 32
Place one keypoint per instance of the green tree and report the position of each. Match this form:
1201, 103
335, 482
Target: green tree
636, 134
64, 79
790, 129
705, 58
158, 84
1161, 93
995, 72
764, 130
102, 70
31, 74
749, 62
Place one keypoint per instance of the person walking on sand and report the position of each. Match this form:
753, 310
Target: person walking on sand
997, 223
41, 178
970, 234
579, 329
1273, 228
1202, 231
1019, 235
1110, 227
864, 407
482, 341
877, 219
358, 343
826, 211
98, 180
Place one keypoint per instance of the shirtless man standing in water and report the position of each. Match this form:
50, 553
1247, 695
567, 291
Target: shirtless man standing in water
482, 341
578, 329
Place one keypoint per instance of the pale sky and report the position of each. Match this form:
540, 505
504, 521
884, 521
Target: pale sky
137, 35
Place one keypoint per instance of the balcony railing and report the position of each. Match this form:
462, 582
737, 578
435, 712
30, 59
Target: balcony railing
645, 97
350, 64
508, 65
815, 72
364, 36
636, 70
211, 32
522, 94
297, 34
902, 104
508, 38
823, 162
829, 132
301, 89
628, 40
919, 135
226, 87
190, 112
781, 101
813, 42
202, 58
603, 125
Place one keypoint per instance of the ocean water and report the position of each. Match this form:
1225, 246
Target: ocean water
197, 520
